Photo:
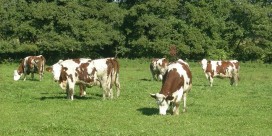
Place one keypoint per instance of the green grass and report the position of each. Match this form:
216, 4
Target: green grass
41, 108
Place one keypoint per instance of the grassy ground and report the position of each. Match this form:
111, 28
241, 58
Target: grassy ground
40, 108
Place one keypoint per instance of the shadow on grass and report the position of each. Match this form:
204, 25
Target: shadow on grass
148, 111
144, 79
91, 96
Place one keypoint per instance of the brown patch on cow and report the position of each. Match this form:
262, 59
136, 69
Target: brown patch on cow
82, 71
171, 82
63, 74
236, 64
113, 66
20, 69
49, 69
76, 61
164, 63
221, 69
71, 77
32, 64
188, 72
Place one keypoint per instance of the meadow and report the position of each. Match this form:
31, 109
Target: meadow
35, 107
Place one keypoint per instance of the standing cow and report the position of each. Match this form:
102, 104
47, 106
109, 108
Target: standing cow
70, 65
177, 82
101, 72
30, 65
158, 68
224, 69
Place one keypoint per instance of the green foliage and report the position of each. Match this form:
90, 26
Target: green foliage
138, 28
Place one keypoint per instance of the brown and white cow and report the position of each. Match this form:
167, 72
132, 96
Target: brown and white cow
101, 72
224, 69
71, 65
30, 65
177, 82
158, 68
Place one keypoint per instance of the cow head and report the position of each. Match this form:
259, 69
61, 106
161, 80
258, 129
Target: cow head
163, 102
55, 70
204, 64
16, 75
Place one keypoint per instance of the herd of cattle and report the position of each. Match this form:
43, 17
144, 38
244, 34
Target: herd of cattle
176, 76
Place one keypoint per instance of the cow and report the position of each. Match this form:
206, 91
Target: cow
224, 69
158, 68
177, 82
69, 64
101, 72
30, 65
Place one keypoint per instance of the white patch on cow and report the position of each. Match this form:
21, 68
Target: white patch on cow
164, 101
229, 71
160, 77
163, 104
16, 76
158, 69
214, 65
182, 61
70, 64
204, 64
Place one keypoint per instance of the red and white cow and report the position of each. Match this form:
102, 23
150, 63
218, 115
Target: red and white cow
101, 72
158, 68
71, 65
177, 82
30, 65
224, 69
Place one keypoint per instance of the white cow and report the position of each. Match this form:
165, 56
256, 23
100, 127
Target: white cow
177, 82
30, 65
69, 65
102, 72
158, 68
224, 69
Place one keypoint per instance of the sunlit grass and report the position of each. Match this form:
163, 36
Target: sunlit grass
41, 108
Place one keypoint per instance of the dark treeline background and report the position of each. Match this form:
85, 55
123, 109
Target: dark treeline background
59, 29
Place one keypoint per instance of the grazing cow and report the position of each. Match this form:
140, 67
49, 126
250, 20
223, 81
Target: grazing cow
101, 72
158, 68
177, 82
70, 65
224, 69
30, 64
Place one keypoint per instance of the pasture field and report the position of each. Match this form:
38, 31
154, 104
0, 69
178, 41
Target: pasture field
40, 108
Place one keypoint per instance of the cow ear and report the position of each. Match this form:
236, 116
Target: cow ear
169, 98
64, 69
60, 61
153, 96
49, 69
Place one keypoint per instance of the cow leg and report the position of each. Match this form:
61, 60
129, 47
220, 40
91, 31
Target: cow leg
211, 81
176, 108
117, 85
153, 75
105, 89
41, 76
184, 102
231, 80
109, 90
71, 86
236, 78
71, 93
32, 75
24, 76
82, 89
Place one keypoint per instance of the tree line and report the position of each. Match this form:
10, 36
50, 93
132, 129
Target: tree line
214, 29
